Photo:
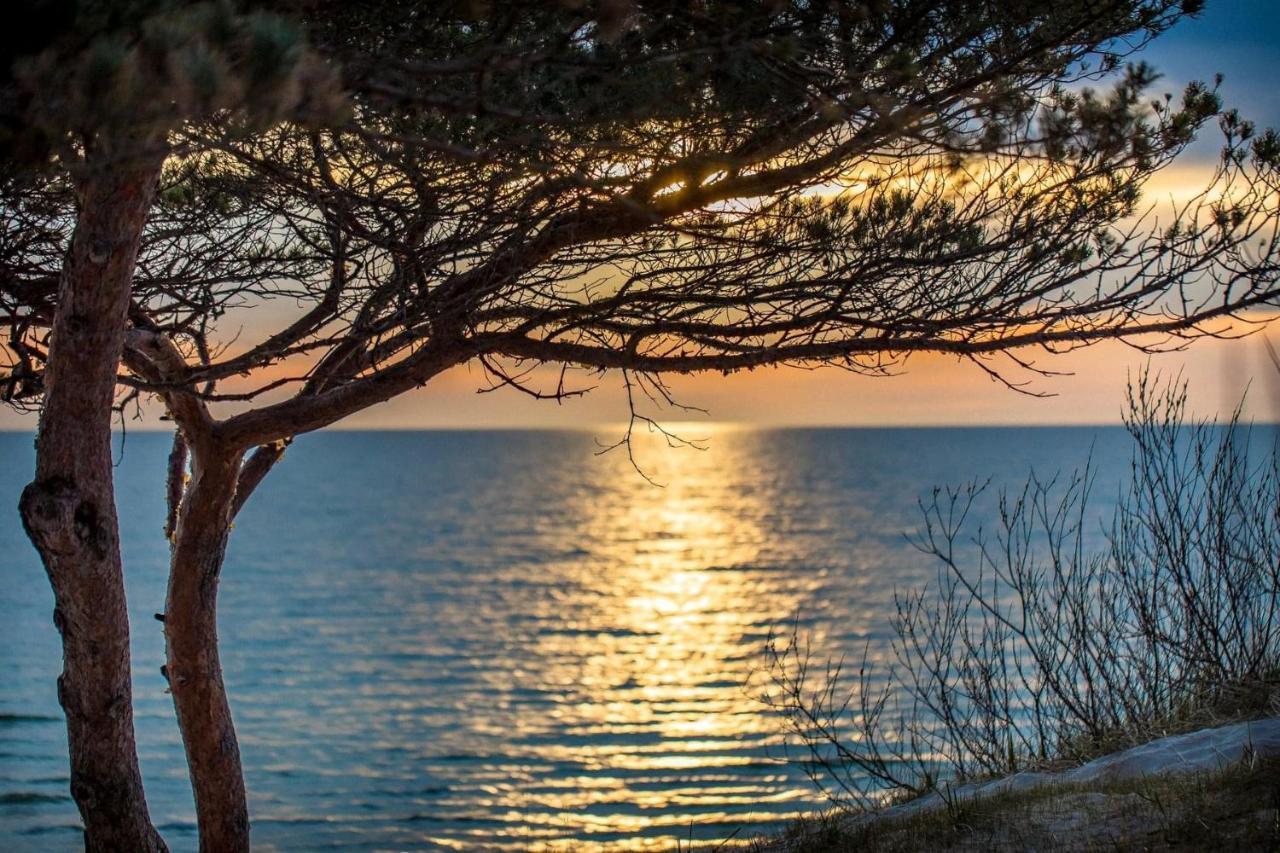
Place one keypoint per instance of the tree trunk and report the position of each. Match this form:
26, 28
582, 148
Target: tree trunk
69, 509
191, 634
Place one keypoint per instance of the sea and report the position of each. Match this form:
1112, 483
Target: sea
514, 640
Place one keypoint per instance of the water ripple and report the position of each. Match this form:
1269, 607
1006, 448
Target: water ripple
501, 640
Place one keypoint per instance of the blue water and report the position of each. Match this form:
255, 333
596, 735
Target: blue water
502, 640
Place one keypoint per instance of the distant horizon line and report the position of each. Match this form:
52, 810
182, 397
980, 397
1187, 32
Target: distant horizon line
675, 427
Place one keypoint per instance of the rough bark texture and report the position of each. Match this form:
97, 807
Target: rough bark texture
69, 509
199, 522
191, 635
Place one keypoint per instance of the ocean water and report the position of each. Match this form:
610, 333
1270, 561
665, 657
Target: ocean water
503, 640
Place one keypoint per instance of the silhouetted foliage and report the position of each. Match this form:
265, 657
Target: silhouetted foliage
1037, 646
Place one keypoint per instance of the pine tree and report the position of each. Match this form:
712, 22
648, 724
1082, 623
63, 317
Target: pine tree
91, 94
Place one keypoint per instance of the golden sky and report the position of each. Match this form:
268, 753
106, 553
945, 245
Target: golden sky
931, 390
927, 390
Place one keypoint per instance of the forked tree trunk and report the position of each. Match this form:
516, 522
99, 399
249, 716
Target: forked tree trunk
69, 509
191, 639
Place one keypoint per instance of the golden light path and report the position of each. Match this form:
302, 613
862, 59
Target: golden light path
652, 657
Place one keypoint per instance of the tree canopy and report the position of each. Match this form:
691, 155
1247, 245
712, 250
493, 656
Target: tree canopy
677, 187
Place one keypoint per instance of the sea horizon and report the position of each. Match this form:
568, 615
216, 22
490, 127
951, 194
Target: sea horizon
670, 426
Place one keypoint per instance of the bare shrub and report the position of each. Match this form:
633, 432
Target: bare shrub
1046, 640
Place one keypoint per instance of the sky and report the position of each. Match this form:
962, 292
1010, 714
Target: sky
1238, 38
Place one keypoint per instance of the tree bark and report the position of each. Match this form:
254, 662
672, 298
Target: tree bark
191, 639
199, 529
198, 525
69, 509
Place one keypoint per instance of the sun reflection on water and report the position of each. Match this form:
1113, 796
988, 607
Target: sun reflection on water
650, 653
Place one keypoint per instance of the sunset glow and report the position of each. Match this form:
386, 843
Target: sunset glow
636, 426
